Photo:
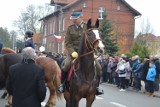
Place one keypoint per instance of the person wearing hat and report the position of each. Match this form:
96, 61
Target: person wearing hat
28, 39
1, 46
72, 42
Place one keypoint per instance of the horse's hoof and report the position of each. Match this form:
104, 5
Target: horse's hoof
50, 105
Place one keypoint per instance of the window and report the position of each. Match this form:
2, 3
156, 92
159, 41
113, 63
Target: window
101, 12
64, 23
50, 28
53, 27
44, 41
45, 30
118, 7
59, 25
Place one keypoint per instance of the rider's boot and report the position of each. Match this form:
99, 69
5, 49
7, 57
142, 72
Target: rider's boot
99, 91
64, 67
61, 88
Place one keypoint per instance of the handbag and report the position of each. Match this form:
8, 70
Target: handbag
122, 72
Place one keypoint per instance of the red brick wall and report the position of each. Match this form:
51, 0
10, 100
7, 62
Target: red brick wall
122, 20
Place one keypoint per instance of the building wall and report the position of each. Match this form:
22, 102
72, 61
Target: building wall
118, 14
122, 20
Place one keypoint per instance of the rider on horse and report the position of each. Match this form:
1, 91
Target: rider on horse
72, 42
1, 46
28, 39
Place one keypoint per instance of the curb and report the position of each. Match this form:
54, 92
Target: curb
157, 93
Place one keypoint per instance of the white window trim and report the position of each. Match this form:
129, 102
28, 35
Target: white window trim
101, 11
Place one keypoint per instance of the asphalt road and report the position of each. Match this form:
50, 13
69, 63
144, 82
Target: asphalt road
113, 98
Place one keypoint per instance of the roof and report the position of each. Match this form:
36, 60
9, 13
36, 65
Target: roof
63, 8
150, 37
62, 1
134, 11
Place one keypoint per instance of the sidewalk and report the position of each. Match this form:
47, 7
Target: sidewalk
157, 93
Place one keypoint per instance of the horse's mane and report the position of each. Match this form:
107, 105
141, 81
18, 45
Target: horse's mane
7, 50
81, 46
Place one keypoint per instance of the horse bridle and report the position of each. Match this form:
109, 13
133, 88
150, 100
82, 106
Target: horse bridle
91, 45
87, 42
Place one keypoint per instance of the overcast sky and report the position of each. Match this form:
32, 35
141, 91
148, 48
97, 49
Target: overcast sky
10, 10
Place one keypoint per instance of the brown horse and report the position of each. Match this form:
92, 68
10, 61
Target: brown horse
84, 80
7, 51
51, 70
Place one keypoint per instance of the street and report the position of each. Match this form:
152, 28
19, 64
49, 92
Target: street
113, 98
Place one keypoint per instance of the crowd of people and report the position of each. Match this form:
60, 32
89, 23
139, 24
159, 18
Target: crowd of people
121, 71
125, 72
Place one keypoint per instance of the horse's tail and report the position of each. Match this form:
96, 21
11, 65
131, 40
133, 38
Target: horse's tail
57, 81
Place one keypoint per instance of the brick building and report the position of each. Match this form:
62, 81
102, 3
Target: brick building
119, 13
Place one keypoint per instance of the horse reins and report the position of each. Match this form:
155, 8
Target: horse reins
91, 46
90, 43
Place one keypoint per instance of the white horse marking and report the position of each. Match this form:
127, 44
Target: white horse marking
96, 32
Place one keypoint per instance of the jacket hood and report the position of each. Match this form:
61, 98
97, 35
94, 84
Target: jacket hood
153, 66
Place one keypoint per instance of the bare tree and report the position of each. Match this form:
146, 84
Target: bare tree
145, 27
29, 18
13, 39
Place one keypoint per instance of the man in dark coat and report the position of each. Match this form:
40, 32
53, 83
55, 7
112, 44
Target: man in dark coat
145, 71
26, 81
157, 64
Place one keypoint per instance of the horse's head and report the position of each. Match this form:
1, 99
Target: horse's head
92, 35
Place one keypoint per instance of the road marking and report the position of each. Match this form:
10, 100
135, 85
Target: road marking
99, 98
118, 104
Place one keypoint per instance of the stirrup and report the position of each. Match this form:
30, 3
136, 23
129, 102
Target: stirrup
61, 88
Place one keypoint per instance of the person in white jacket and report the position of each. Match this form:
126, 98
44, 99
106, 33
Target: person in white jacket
121, 66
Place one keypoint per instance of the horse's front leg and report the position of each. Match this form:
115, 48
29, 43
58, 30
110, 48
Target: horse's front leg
4, 94
9, 102
52, 98
75, 98
90, 99
67, 98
